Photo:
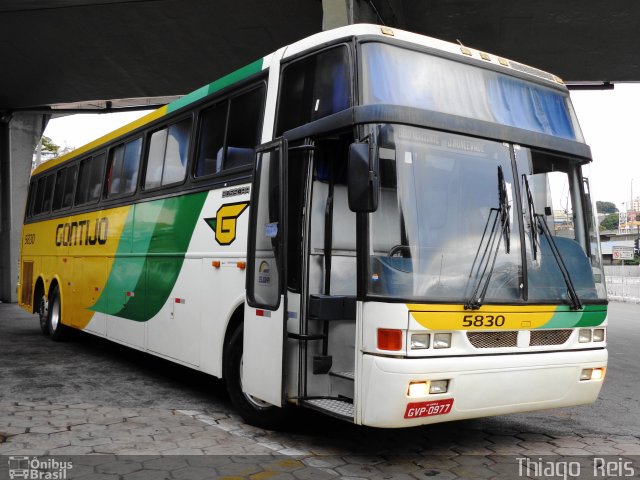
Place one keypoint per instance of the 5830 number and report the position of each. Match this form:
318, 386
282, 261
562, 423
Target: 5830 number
483, 321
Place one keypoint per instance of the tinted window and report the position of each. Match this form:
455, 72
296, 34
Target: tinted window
48, 194
123, 168
90, 179
63, 191
230, 144
211, 145
69, 184
58, 191
168, 155
37, 207
243, 131
314, 87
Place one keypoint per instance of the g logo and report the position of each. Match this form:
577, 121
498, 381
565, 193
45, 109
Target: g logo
226, 220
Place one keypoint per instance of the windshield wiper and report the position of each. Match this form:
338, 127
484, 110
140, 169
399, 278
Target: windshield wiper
539, 222
489, 255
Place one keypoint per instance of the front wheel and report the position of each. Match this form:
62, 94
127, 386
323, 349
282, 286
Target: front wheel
57, 331
253, 410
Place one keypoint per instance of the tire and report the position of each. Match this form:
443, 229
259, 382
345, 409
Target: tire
57, 331
43, 313
253, 410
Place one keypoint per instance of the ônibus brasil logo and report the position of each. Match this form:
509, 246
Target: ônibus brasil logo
38, 469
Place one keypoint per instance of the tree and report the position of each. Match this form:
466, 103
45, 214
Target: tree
606, 207
49, 149
610, 222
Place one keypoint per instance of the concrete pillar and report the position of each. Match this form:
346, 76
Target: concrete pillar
19, 134
338, 13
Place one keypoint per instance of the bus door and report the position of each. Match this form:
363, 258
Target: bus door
327, 356
266, 305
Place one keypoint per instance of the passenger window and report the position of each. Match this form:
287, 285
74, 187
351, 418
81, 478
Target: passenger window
211, 146
243, 131
314, 87
37, 208
48, 194
228, 141
31, 200
90, 179
63, 191
168, 155
123, 168
58, 191
69, 184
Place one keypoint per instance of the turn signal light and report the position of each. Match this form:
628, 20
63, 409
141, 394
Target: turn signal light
389, 339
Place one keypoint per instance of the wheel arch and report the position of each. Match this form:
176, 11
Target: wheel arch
235, 321
38, 288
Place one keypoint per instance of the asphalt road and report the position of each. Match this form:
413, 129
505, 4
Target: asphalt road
88, 371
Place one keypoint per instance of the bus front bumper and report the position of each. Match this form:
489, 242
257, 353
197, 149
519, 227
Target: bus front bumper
478, 386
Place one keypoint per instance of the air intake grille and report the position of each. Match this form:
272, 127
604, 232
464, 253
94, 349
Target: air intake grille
493, 339
549, 337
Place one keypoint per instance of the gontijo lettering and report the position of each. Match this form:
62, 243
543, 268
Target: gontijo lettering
82, 232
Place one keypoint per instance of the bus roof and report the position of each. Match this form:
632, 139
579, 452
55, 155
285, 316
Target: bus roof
294, 49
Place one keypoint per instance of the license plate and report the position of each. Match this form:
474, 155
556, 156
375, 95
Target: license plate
428, 409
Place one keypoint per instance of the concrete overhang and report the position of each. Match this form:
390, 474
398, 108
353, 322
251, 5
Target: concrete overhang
66, 51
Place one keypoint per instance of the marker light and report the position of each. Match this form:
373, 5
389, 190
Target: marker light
598, 335
418, 389
439, 386
442, 340
420, 341
592, 374
584, 336
389, 339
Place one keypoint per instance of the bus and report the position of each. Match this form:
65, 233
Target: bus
381, 226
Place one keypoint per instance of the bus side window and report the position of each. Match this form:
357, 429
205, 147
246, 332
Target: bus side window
31, 199
58, 191
69, 184
123, 168
89, 179
47, 194
168, 155
243, 129
314, 87
229, 132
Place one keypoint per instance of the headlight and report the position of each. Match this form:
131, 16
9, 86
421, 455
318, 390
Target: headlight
598, 335
584, 336
420, 341
442, 340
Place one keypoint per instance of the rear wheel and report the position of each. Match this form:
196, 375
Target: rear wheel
57, 331
43, 312
253, 410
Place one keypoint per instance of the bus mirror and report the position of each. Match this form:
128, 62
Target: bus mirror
363, 178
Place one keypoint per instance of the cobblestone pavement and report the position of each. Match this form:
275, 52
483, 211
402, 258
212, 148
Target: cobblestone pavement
151, 419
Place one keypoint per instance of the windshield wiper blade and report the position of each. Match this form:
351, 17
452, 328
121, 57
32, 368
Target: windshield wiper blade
532, 217
574, 299
539, 222
492, 246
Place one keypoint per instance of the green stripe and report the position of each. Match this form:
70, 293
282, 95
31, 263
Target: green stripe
160, 232
217, 85
589, 316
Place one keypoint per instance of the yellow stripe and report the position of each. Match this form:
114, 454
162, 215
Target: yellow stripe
487, 317
82, 270
103, 140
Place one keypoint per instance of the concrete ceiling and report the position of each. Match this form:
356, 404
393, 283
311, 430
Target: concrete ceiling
62, 51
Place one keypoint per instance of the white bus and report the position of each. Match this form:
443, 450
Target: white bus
378, 225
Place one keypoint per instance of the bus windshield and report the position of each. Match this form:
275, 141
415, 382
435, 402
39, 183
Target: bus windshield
447, 225
398, 76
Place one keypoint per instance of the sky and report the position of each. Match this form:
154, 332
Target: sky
609, 119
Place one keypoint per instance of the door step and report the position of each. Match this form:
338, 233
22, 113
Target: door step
335, 407
347, 375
